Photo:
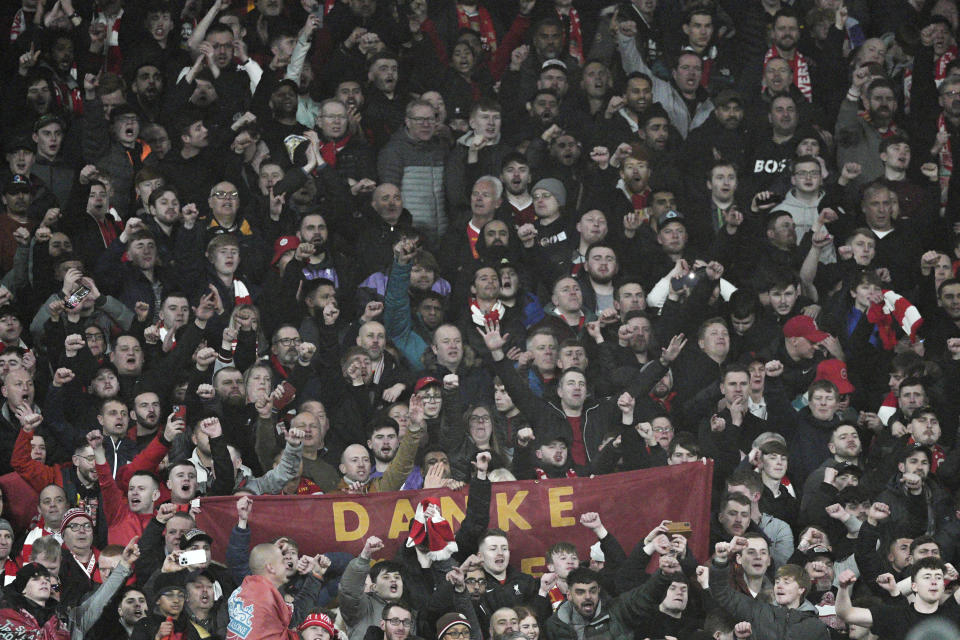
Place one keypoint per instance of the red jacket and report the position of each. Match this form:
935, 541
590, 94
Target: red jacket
258, 611
17, 623
123, 524
38, 475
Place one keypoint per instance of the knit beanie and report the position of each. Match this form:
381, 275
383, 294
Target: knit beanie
555, 187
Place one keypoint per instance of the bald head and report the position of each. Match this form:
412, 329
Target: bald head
387, 202
266, 560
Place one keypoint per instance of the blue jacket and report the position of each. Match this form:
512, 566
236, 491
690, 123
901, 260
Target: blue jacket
398, 317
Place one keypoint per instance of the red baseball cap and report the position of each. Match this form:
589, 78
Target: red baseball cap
836, 372
283, 244
425, 381
803, 327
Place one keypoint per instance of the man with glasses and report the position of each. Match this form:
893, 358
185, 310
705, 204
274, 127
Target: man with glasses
79, 570
380, 605
349, 154
414, 160
803, 201
397, 622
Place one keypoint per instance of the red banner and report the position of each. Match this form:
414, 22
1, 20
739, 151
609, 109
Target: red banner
535, 514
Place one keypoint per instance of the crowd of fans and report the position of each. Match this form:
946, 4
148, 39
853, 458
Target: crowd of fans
299, 247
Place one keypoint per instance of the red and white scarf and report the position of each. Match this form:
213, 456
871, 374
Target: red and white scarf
574, 35
18, 25
481, 318
801, 71
542, 475
895, 308
240, 293
481, 22
114, 56
945, 162
435, 532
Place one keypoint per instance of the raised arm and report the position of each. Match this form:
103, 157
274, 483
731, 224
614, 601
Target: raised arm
845, 609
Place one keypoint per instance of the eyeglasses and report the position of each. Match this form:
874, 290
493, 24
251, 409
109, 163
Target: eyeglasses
88, 458
333, 117
397, 622
806, 174
226, 195
480, 419
662, 429
288, 342
94, 337
473, 582
76, 527
431, 397
457, 634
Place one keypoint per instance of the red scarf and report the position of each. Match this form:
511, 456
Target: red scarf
946, 163
308, 487
542, 475
574, 35
666, 402
329, 150
639, 200
801, 71
556, 598
278, 367
480, 22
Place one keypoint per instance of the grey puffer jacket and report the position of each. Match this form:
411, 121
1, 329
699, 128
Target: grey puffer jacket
417, 167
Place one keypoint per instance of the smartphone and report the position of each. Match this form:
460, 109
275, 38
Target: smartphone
74, 299
770, 201
289, 391
682, 528
187, 558
179, 411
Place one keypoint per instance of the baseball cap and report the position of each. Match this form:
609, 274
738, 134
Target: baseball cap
18, 183
46, 119
727, 96
19, 142
819, 551
554, 63
283, 244
670, 216
425, 382
803, 327
835, 371
193, 536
